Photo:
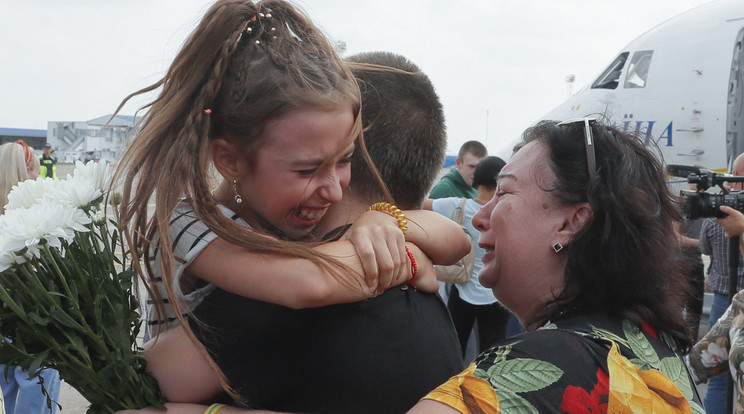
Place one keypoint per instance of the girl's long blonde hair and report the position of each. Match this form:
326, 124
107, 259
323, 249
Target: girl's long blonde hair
244, 65
13, 163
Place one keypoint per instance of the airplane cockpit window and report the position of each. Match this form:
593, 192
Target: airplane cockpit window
638, 69
611, 76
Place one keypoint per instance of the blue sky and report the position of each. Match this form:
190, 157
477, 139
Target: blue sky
497, 65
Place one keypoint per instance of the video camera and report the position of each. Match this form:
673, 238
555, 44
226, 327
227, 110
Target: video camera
699, 204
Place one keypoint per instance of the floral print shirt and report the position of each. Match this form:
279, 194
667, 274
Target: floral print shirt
723, 345
583, 364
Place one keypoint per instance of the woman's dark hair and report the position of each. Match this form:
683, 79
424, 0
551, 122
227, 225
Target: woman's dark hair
626, 259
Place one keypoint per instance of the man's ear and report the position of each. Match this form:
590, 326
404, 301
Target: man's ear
577, 217
227, 159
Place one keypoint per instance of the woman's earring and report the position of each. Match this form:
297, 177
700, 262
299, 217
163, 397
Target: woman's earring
557, 247
238, 198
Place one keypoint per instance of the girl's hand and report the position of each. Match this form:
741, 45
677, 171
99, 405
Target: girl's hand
426, 278
380, 245
733, 224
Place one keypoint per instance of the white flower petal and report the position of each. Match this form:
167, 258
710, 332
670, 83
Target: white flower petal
25, 194
98, 172
78, 192
26, 228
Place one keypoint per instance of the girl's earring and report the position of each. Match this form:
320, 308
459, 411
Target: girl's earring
238, 198
557, 247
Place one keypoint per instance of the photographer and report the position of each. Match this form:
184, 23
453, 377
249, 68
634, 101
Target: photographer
709, 356
725, 339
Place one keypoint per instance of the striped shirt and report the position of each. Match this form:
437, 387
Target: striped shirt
189, 237
714, 243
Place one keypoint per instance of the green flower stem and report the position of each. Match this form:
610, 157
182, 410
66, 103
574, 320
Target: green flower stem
54, 254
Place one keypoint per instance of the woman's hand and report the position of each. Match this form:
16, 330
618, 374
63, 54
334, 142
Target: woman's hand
380, 245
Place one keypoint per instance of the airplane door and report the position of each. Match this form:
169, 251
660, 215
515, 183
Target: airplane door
735, 106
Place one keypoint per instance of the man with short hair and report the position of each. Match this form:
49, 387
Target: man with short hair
48, 162
404, 131
713, 242
459, 181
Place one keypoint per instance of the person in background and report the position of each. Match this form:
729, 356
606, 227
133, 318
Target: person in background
689, 234
603, 309
723, 345
470, 303
713, 242
48, 162
459, 181
18, 163
21, 394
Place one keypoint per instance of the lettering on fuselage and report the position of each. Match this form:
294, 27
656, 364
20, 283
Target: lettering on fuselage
645, 129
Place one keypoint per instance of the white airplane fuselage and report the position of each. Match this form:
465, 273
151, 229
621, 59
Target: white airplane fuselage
680, 85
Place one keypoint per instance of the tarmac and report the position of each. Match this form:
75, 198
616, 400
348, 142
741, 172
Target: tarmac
71, 401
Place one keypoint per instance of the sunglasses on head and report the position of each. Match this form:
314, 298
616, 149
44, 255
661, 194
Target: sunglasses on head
588, 143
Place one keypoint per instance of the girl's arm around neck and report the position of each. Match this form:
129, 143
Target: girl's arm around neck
289, 281
440, 238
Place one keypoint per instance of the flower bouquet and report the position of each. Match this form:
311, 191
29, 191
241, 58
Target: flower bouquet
66, 291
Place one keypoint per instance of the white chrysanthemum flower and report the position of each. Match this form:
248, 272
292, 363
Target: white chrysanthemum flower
98, 172
98, 216
25, 194
7, 257
78, 191
26, 230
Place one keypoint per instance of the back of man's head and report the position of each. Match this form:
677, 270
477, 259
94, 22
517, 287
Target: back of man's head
737, 168
475, 148
487, 172
404, 129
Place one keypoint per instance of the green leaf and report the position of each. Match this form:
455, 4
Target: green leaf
523, 375
604, 333
514, 404
62, 317
674, 370
696, 408
641, 364
640, 345
502, 352
38, 362
39, 320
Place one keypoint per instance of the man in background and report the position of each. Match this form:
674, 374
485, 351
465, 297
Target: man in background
459, 181
48, 162
713, 242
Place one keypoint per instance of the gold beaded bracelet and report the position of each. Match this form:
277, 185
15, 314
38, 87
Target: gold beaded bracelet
393, 211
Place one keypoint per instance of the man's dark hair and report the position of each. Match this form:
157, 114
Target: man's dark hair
473, 147
404, 129
486, 172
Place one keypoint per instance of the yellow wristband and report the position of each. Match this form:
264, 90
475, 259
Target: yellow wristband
214, 408
393, 211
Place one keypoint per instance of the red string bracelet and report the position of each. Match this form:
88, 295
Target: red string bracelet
414, 269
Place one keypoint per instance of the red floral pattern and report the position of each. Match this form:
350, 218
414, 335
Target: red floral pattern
577, 401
